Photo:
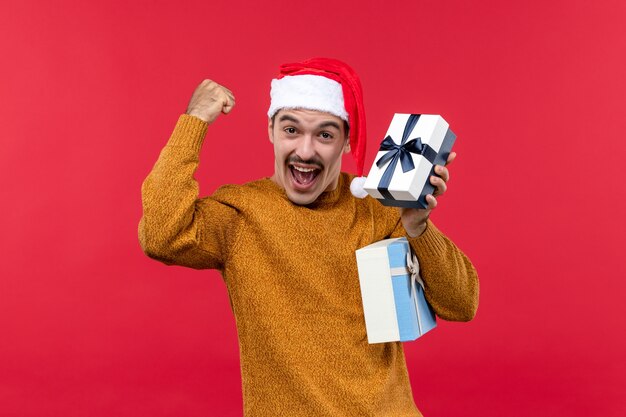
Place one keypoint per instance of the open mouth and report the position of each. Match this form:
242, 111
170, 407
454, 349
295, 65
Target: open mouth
304, 176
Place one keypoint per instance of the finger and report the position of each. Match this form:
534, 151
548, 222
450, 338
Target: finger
229, 102
208, 85
440, 185
442, 172
432, 202
230, 95
451, 158
228, 107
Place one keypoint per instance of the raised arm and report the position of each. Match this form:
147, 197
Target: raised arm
177, 227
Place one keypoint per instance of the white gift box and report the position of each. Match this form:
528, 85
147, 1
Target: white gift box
412, 147
392, 291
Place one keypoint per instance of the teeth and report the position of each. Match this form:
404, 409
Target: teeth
303, 169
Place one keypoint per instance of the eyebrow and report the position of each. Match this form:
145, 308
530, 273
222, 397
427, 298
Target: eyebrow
329, 124
286, 117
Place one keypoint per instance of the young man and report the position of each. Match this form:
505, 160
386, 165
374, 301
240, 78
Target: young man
286, 245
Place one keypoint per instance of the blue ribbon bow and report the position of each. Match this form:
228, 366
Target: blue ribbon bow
401, 152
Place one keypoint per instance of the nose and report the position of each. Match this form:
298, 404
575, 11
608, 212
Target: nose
306, 148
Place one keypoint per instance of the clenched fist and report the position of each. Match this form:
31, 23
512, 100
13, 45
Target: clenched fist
209, 100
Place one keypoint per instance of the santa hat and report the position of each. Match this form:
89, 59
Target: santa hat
327, 85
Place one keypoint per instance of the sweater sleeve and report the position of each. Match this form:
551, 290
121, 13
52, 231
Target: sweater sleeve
450, 279
178, 228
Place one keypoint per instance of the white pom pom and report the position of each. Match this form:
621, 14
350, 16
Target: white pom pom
356, 187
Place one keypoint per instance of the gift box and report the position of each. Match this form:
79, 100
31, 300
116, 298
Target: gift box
393, 292
414, 144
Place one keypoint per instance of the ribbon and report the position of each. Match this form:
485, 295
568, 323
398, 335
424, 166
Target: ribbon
401, 152
413, 270
413, 266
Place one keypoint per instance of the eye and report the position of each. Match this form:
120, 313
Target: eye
290, 130
326, 135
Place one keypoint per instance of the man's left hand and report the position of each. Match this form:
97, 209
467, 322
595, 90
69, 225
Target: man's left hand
414, 220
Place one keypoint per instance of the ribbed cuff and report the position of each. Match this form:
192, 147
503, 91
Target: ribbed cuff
430, 243
189, 132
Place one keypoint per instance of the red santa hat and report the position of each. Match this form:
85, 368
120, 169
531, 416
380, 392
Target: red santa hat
327, 85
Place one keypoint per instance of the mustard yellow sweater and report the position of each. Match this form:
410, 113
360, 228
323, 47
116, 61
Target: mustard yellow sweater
292, 279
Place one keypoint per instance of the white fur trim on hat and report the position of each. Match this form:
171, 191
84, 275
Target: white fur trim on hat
307, 91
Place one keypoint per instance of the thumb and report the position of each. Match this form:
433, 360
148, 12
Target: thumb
228, 106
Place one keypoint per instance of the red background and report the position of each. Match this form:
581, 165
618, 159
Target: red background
90, 92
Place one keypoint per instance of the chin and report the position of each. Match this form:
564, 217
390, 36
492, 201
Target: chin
302, 199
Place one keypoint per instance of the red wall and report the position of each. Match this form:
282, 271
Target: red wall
91, 90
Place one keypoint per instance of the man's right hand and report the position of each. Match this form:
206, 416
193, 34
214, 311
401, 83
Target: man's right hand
209, 100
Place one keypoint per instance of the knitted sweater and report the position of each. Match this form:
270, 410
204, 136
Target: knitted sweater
292, 279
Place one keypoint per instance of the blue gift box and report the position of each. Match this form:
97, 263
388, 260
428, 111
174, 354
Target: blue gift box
392, 291
413, 145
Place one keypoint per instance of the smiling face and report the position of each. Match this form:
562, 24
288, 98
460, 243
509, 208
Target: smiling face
308, 145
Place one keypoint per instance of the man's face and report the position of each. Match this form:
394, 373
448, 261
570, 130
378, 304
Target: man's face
308, 145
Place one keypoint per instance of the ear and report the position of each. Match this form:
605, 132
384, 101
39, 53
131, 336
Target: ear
346, 147
270, 129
